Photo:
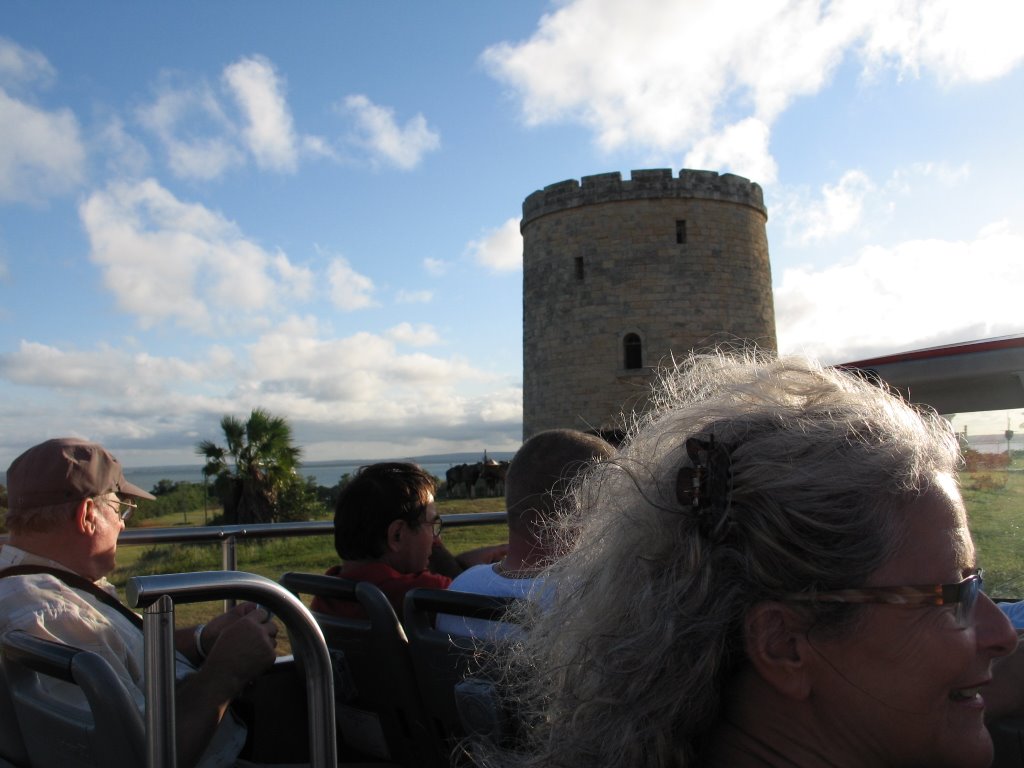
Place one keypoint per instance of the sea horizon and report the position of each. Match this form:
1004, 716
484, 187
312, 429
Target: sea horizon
327, 472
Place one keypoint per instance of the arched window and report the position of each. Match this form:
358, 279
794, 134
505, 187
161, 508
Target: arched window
632, 352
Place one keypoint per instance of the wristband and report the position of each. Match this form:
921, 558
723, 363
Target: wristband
197, 637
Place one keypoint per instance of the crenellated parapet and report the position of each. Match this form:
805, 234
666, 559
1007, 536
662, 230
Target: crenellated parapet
651, 184
623, 277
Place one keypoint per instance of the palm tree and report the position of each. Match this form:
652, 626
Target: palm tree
258, 462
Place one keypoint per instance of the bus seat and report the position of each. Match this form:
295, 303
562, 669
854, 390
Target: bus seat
12, 748
457, 691
109, 730
379, 710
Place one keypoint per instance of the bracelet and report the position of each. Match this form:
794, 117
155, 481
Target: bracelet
197, 637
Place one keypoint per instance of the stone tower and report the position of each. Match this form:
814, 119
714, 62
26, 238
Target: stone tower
619, 276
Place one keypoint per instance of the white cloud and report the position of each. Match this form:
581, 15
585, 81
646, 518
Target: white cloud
913, 294
41, 152
669, 80
403, 147
209, 149
499, 249
935, 173
166, 260
436, 267
741, 147
423, 335
126, 155
837, 211
339, 394
349, 290
361, 382
20, 66
414, 297
268, 130
958, 41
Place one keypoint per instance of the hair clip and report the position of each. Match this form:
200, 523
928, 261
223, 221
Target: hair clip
706, 485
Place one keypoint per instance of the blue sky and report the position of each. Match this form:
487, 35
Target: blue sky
313, 208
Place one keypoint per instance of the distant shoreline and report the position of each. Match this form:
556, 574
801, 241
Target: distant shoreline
326, 473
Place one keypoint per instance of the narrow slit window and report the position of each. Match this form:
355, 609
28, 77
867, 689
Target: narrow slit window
680, 230
578, 264
632, 352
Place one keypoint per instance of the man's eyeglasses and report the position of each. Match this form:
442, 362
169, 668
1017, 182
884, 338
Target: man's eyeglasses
123, 508
436, 525
963, 595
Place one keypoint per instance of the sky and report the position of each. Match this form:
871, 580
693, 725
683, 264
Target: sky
207, 207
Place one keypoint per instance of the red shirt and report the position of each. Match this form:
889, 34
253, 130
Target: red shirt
394, 584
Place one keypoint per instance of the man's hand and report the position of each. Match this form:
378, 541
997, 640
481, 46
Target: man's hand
244, 645
242, 649
217, 625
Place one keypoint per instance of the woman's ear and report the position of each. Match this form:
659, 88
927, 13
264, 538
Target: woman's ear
396, 529
777, 646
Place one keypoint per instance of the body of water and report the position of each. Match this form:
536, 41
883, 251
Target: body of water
327, 473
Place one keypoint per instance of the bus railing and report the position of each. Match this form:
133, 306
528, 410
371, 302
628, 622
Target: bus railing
230, 535
157, 595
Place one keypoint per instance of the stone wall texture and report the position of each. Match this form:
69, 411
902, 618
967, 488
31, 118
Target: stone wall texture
601, 259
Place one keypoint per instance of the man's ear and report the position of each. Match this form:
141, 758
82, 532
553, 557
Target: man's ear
777, 646
396, 529
85, 517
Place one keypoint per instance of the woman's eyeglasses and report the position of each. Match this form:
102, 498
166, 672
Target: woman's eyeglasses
963, 595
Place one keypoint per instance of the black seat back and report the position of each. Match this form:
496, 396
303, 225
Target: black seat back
380, 713
12, 748
451, 669
106, 730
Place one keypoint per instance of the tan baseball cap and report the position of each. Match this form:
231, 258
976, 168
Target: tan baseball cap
63, 470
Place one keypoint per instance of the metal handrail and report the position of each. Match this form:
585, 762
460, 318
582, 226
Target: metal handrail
306, 637
210, 533
229, 535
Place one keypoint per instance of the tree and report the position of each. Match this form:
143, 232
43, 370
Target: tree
254, 469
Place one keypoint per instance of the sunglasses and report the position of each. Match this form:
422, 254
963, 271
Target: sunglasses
963, 596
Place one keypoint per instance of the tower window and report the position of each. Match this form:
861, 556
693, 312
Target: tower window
632, 352
680, 230
578, 264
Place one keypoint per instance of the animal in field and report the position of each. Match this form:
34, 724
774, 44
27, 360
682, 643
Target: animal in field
493, 474
460, 480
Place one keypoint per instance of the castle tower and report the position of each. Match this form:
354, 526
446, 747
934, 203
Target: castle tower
619, 276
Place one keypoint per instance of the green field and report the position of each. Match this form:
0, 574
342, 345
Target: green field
273, 557
995, 503
995, 506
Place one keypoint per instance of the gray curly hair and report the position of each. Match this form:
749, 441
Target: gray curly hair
626, 658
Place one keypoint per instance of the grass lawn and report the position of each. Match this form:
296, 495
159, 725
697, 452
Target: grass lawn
273, 557
995, 504
995, 507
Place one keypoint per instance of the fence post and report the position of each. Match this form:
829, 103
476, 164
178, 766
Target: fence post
229, 562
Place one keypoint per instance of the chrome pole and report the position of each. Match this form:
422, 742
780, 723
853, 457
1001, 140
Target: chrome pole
159, 664
307, 640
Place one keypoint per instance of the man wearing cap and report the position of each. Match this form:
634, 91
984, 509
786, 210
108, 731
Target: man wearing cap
68, 500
